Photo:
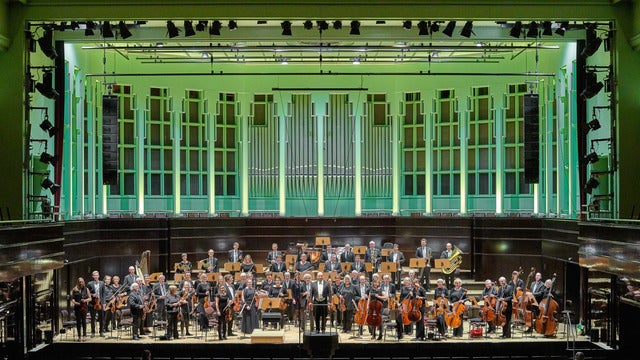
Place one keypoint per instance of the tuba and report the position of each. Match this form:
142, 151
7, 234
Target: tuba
455, 260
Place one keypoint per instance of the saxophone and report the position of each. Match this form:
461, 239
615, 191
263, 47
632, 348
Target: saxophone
455, 260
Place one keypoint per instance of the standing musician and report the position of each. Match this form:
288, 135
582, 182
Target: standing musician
203, 291
210, 264
537, 289
389, 288
136, 305
273, 254
224, 310
160, 290
107, 295
363, 291
186, 293
373, 255
358, 264
446, 254
81, 297
303, 265
289, 284
347, 256
424, 252
320, 292
377, 295
304, 300
420, 293
247, 265
489, 292
129, 279
278, 266
336, 314
173, 303
406, 293
349, 295
96, 287
457, 295
396, 256
332, 264
505, 292
118, 290
235, 254
231, 292
249, 309
145, 291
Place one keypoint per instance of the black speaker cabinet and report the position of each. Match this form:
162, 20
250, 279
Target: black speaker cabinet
531, 139
110, 139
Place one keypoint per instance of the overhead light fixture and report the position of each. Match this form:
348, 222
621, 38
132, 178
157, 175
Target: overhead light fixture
593, 42
48, 158
47, 209
286, 28
47, 126
592, 86
467, 29
546, 28
322, 25
215, 27
308, 25
435, 27
124, 31
47, 184
591, 184
90, 26
337, 25
423, 28
46, 43
232, 25
406, 24
562, 28
74, 25
448, 30
188, 28
106, 31
516, 30
172, 30
533, 30
355, 28
202, 25
592, 157
46, 86
594, 124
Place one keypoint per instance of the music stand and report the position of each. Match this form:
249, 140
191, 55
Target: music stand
418, 263
232, 266
331, 275
441, 263
323, 240
211, 277
385, 252
368, 267
388, 267
290, 261
269, 304
346, 267
178, 277
361, 250
321, 267
259, 268
277, 275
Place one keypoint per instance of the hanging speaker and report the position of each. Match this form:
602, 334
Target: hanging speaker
110, 139
531, 139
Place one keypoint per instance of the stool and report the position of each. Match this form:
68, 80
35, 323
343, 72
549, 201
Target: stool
431, 329
477, 328
272, 317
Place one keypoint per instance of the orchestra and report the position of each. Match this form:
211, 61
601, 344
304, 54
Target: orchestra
344, 291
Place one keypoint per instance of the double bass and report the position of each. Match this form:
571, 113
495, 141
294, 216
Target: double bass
546, 322
488, 312
522, 306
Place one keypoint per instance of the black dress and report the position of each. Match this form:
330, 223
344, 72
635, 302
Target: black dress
249, 312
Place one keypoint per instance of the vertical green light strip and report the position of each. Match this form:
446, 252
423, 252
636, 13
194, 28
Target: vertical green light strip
176, 133
91, 149
573, 175
463, 117
500, 114
282, 150
211, 141
68, 165
320, 113
357, 118
79, 116
429, 128
141, 116
245, 104
548, 141
395, 139
98, 106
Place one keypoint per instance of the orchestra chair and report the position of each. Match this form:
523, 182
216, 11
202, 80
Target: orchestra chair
478, 328
431, 329
126, 324
389, 323
68, 323
158, 326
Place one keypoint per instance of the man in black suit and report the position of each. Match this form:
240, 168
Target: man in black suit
424, 252
347, 256
235, 254
505, 292
446, 254
96, 288
320, 295
136, 305
278, 266
358, 265
210, 263
537, 287
332, 264
129, 279
389, 288
160, 290
396, 256
373, 255
273, 254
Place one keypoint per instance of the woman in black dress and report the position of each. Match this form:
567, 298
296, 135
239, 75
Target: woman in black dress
203, 290
247, 265
249, 309
224, 311
350, 295
80, 298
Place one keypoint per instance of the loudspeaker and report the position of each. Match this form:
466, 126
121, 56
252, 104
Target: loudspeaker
531, 139
110, 139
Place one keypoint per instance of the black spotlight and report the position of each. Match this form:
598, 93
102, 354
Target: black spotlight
124, 31
46, 86
47, 126
448, 30
355, 28
516, 29
423, 28
233, 25
46, 183
546, 28
106, 30
406, 24
322, 25
562, 28
337, 25
286, 28
594, 124
46, 43
48, 159
188, 28
172, 30
467, 29
201, 25
47, 209
592, 87
90, 26
308, 25
592, 157
215, 27
593, 42
435, 27
533, 30
591, 184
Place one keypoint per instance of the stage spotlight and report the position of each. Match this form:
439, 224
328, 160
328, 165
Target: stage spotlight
188, 28
337, 25
308, 25
74, 25
46, 183
407, 24
592, 87
233, 25
46, 43
591, 184
172, 30
593, 42
448, 30
105, 30
47, 209
562, 28
88, 31
124, 32
516, 29
48, 159
423, 28
435, 27
46, 86
594, 124
47, 126
546, 28
286, 28
592, 157
467, 29
533, 30
322, 25
201, 25
215, 27
355, 28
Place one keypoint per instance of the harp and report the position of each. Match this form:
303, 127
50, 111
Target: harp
142, 266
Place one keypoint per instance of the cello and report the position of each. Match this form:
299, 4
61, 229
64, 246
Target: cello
374, 317
546, 322
360, 318
488, 312
454, 318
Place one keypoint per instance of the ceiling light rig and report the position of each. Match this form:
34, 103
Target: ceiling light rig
172, 30
202, 25
593, 41
467, 29
188, 28
423, 28
106, 31
322, 25
46, 43
124, 31
355, 28
448, 30
547, 29
516, 30
286, 28
337, 25
233, 25
406, 24
215, 28
308, 25
562, 28
533, 30
89, 27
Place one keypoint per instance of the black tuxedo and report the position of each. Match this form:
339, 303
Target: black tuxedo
320, 300
278, 267
347, 257
426, 272
235, 255
332, 266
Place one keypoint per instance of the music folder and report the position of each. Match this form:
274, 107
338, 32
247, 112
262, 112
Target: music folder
442, 263
417, 263
388, 267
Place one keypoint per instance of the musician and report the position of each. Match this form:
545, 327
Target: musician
377, 295
161, 289
457, 295
273, 254
488, 292
424, 252
347, 256
247, 265
406, 293
96, 287
303, 265
242, 283
184, 265
350, 295
268, 283
186, 279
332, 264
516, 283
304, 298
537, 288
250, 309
389, 288
129, 279
289, 284
335, 316
203, 291
210, 263
373, 255
118, 290
421, 294
107, 295
302, 249
145, 291
224, 310
363, 290
320, 292
81, 297
136, 305
186, 307
547, 289
173, 303
440, 292
228, 279
278, 266
505, 292
326, 254
446, 254
358, 264
396, 256
235, 254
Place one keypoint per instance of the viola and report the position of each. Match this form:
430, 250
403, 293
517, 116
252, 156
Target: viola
546, 322
374, 317
228, 314
343, 304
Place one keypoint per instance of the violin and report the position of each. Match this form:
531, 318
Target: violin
374, 317
228, 315
546, 322
97, 303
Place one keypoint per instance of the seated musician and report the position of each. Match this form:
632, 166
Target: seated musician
273, 254
277, 291
537, 288
184, 265
278, 266
267, 283
326, 254
457, 296
489, 292
548, 289
347, 256
332, 264
247, 265
235, 254
358, 264
303, 265
441, 292
210, 264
